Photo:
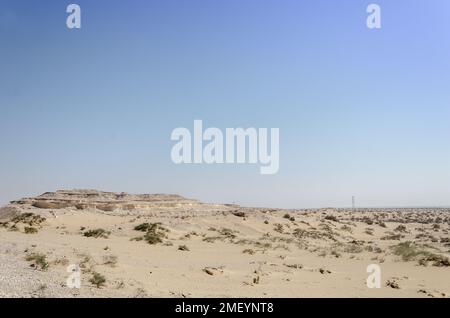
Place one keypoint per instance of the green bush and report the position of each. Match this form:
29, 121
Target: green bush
155, 232
97, 279
97, 233
39, 260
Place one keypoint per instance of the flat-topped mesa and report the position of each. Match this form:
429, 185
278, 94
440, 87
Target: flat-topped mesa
104, 201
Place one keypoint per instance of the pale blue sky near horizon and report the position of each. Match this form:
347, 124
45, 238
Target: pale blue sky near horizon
361, 112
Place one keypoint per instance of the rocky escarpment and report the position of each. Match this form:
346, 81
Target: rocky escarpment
61, 201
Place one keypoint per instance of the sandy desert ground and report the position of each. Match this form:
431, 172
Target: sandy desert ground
168, 246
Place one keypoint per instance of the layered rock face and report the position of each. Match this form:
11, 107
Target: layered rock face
108, 202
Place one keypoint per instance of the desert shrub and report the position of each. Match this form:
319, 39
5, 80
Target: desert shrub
331, 218
263, 245
155, 232
367, 220
400, 228
239, 214
225, 233
30, 230
248, 251
183, 248
28, 218
393, 284
39, 260
410, 251
97, 233
377, 250
407, 250
437, 260
296, 266
353, 248
287, 216
212, 239
335, 253
278, 228
152, 238
144, 227
97, 279
228, 233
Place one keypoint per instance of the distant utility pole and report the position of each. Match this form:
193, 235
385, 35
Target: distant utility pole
353, 202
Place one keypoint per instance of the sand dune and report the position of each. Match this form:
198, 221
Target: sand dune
169, 246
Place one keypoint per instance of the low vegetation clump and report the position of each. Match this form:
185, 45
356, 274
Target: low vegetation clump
436, 260
324, 271
296, 266
393, 284
224, 233
331, 218
353, 248
289, 217
97, 233
239, 214
30, 230
409, 251
400, 228
155, 232
39, 260
97, 279
144, 227
153, 237
367, 220
278, 228
28, 218
248, 251
183, 248
227, 233
335, 253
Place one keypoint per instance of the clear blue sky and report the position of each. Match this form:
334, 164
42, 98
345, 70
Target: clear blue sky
361, 112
